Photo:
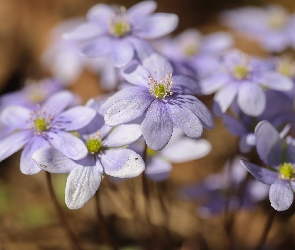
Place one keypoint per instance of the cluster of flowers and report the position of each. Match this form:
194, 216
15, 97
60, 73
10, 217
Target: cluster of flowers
157, 80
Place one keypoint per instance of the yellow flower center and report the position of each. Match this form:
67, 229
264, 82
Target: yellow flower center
241, 72
40, 124
94, 145
286, 171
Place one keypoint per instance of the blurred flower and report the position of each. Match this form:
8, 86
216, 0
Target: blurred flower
116, 31
166, 99
279, 155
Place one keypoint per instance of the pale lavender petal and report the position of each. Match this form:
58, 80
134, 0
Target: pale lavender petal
143, 48
128, 109
141, 10
186, 149
96, 48
184, 119
217, 42
258, 190
51, 160
122, 135
226, 96
185, 85
100, 13
281, 195
213, 83
82, 183
104, 131
68, 144
83, 32
136, 74
158, 169
121, 53
158, 25
276, 81
75, 118
15, 117
269, 145
13, 143
251, 99
27, 165
244, 147
290, 154
122, 163
157, 66
261, 174
157, 126
58, 102
234, 125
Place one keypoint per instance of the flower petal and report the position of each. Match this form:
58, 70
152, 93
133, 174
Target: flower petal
234, 125
68, 144
83, 32
58, 102
185, 85
186, 149
159, 64
136, 74
213, 83
217, 42
96, 48
15, 117
121, 53
141, 10
82, 183
158, 169
274, 80
13, 143
281, 195
27, 165
157, 25
100, 13
75, 118
251, 99
261, 174
226, 96
123, 135
185, 120
53, 161
122, 163
128, 109
157, 127
269, 145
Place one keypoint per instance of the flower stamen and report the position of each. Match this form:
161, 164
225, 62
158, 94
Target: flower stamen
161, 88
119, 24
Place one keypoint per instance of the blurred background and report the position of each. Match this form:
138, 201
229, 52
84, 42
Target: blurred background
27, 218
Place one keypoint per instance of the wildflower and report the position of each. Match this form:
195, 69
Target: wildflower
165, 98
34, 129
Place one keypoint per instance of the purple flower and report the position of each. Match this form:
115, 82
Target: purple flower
280, 157
165, 100
34, 129
272, 26
117, 32
242, 77
106, 155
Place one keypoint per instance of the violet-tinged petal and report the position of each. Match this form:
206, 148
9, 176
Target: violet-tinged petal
83, 32
199, 109
261, 174
123, 135
281, 195
75, 118
15, 117
185, 85
104, 131
128, 109
122, 163
27, 165
157, 126
157, 66
141, 10
276, 81
157, 25
142, 48
251, 99
100, 13
213, 83
53, 161
234, 125
290, 154
96, 48
121, 53
217, 42
269, 145
158, 169
68, 144
136, 74
13, 143
184, 119
186, 149
226, 96
244, 147
58, 102
82, 183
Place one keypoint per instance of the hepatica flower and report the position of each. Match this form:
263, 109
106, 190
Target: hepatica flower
279, 155
49, 124
244, 78
114, 31
107, 154
163, 98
